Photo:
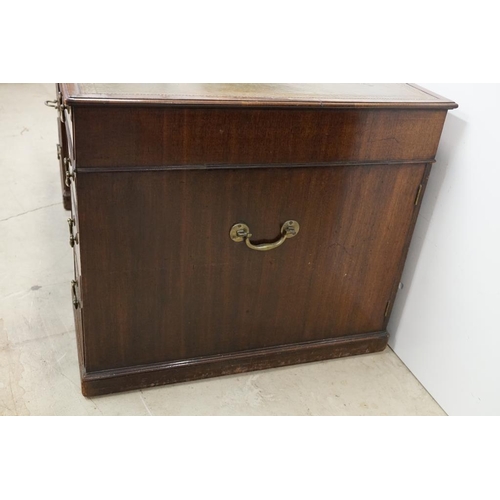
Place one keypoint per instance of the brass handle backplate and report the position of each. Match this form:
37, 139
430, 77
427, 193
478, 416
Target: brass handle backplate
241, 232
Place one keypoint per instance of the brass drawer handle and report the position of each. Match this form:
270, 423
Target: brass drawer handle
74, 284
70, 176
241, 232
73, 238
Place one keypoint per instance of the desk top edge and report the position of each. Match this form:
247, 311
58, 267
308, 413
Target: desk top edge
291, 95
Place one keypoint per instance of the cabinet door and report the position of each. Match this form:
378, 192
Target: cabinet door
163, 280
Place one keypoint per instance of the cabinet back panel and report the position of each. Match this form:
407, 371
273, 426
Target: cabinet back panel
165, 281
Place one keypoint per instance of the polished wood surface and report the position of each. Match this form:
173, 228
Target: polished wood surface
138, 377
158, 259
160, 137
164, 294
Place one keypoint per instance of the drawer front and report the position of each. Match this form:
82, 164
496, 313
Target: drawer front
74, 224
117, 137
163, 280
77, 303
63, 151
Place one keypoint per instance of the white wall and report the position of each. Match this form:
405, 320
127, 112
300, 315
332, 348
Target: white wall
446, 321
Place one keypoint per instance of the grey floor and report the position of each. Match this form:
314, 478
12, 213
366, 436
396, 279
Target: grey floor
38, 361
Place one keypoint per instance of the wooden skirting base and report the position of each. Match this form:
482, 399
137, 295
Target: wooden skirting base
140, 377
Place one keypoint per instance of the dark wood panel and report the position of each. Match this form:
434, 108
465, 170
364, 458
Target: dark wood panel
404, 252
162, 280
104, 382
143, 136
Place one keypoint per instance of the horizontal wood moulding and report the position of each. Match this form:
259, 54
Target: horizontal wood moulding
159, 168
108, 137
135, 377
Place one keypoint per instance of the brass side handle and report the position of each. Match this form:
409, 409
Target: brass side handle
241, 232
57, 105
52, 104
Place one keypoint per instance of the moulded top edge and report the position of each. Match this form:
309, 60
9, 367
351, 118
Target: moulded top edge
255, 94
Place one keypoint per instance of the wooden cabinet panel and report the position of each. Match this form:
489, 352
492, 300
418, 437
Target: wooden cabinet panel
163, 280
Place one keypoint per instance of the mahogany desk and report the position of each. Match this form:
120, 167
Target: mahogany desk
222, 228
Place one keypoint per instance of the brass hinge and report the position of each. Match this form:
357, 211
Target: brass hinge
419, 192
387, 309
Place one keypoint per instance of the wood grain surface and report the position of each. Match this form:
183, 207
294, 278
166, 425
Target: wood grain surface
137, 377
162, 280
156, 137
